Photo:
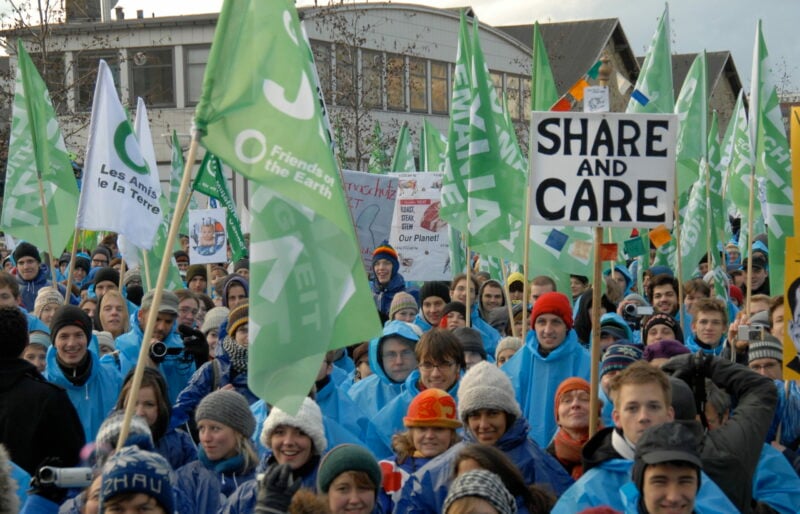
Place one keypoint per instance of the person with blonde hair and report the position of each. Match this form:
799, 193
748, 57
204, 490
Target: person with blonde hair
112, 314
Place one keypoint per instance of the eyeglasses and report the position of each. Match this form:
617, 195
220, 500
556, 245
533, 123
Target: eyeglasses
99, 261
764, 367
428, 366
405, 354
188, 310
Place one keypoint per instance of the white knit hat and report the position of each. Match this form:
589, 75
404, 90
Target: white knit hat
485, 386
507, 343
214, 319
308, 419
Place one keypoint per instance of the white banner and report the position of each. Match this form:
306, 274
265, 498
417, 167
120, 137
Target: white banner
207, 236
371, 198
602, 169
418, 234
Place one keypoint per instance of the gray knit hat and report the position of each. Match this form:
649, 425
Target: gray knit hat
484, 386
105, 339
508, 343
229, 408
214, 319
769, 348
482, 484
308, 419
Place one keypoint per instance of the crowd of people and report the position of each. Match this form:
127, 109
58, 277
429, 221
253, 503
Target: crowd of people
473, 398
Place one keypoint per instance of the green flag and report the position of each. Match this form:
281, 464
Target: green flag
153, 257
378, 159
403, 160
261, 114
772, 160
718, 216
432, 148
456, 170
654, 92
694, 227
543, 86
36, 152
211, 182
497, 171
692, 138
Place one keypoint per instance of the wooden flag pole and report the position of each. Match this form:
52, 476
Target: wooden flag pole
71, 265
146, 265
469, 287
682, 320
47, 232
180, 209
507, 291
121, 273
749, 272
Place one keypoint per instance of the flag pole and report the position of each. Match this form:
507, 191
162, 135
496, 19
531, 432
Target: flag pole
180, 209
469, 283
146, 265
749, 272
507, 290
121, 273
71, 265
682, 321
47, 231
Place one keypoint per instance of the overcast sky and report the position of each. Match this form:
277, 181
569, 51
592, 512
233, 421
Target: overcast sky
712, 25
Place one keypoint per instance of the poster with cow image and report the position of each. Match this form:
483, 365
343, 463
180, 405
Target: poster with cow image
418, 234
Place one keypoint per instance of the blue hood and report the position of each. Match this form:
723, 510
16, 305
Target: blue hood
392, 328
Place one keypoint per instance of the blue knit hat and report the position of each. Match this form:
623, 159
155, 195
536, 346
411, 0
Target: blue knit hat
619, 356
132, 470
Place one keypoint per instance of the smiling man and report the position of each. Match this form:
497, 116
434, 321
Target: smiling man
551, 354
662, 291
709, 327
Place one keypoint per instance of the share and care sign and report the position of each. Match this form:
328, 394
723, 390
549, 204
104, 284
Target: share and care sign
603, 169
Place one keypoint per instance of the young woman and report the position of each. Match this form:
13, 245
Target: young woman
479, 491
48, 300
350, 478
226, 455
112, 314
152, 404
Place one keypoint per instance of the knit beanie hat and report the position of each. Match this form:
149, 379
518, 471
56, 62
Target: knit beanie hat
454, 307
434, 288
347, 457
553, 303
181, 256
104, 251
132, 276
664, 349
484, 386
106, 274
385, 251
570, 384
243, 263
661, 270
432, 408
515, 277
402, 300
619, 356
105, 340
736, 293
507, 343
470, 340
40, 338
636, 297
196, 270
237, 317
662, 319
482, 484
132, 470
46, 296
769, 348
229, 408
25, 249
67, 315
214, 319
82, 263
308, 419
108, 435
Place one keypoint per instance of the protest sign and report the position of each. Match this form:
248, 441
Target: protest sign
371, 199
602, 169
418, 234
207, 236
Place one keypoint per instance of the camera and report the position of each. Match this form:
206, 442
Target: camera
158, 351
65, 478
749, 333
637, 311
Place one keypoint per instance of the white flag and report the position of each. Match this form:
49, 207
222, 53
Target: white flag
120, 188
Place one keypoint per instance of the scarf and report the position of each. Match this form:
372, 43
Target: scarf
230, 466
237, 354
568, 451
80, 374
625, 448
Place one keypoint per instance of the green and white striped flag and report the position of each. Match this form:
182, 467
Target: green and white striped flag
432, 148
772, 159
692, 138
716, 209
403, 160
261, 114
36, 148
737, 152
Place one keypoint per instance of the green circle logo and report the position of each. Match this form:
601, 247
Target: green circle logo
121, 136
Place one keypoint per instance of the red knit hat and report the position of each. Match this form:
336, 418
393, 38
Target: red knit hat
432, 408
553, 303
570, 384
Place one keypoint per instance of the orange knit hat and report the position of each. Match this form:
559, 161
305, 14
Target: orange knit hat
570, 384
432, 408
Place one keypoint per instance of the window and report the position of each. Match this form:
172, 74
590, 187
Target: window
151, 76
526, 99
371, 79
418, 84
52, 72
439, 96
512, 96
345, 75
196, 58
497, 80
86, 75
322, 59
395, 82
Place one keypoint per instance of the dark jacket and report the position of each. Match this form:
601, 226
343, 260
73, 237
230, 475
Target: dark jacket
37, 419
384, 293
731, 452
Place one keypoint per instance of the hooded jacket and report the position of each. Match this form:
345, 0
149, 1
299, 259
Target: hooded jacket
489, 334
96, 397
536, 379
425, 491
605, 475
337, 405
206, 489
37, 420
384, 293
389, 420
28, 289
